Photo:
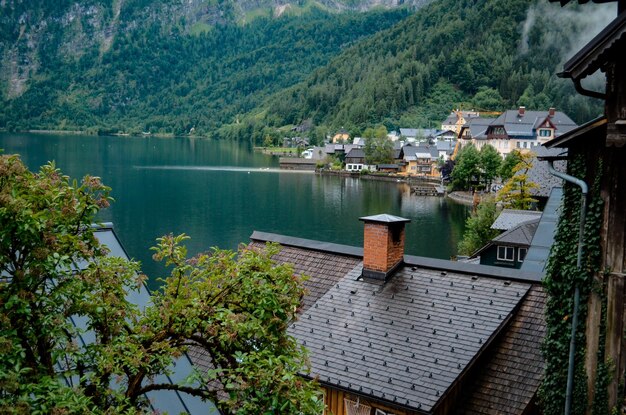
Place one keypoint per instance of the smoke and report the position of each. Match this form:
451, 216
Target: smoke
566, 29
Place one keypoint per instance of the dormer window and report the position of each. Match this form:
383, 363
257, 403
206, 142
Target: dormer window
545, 132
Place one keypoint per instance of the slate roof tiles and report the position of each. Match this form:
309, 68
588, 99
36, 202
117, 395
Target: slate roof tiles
515, 366
405, 342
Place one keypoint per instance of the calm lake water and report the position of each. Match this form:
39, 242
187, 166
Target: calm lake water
219, 192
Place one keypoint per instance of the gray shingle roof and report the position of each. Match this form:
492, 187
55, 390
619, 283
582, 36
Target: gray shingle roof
523, 126
325, 269
515, 364
537, 256
478, 127
521, 235
510, 218
540, 174
408, 341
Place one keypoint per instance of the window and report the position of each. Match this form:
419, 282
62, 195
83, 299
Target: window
521, 254
545, 133
506, 253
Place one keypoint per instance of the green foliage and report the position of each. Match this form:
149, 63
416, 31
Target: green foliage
561, 278
508, 164
478, 230
158, 78
466, 168
378, 148
488, 99
516, 191
416, 83
490, 161
233, 307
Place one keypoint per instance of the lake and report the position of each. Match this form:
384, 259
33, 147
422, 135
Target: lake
219, 192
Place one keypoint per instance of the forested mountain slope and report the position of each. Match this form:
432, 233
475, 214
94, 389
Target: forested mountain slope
184, 67
162, 66
474, 53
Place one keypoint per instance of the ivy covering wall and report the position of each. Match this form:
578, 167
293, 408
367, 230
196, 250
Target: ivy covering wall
561, 278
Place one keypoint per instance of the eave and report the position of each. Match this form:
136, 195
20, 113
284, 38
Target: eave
584, 130
594, 55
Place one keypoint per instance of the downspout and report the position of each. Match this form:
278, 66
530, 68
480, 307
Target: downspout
572, 344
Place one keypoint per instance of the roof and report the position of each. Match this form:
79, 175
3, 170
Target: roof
594, 54
355, 153
453, 117
539, 250
446, 145
418, 132
588, 131
520, 235
523, 126
509, 369
420, 152
478, 127
510, 218
451, 319
515, 364
540, 174
323, 268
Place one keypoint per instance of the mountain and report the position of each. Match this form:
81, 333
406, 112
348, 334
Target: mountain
166, 66
253, 69
453, 53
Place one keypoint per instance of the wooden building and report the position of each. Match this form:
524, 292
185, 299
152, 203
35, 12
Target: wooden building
601, 143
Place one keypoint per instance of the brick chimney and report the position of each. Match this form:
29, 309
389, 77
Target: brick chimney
383, 245
521, 111
551, 112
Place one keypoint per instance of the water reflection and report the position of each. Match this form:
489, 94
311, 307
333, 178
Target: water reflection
203, 188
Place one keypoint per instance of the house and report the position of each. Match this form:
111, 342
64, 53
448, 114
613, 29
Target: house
445, 135
510, 247
341, 136
601, 145
389, 333
418, 134
474, 131
355, 160
445, 149
457, 119
420, 160
524, 130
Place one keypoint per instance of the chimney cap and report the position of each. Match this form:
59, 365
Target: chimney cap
384, 218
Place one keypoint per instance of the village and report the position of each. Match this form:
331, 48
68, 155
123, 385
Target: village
531, 323
423, 152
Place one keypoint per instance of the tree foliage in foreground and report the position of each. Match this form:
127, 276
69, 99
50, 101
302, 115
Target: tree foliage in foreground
233, 307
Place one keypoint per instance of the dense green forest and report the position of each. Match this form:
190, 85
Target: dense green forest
163, 80
451, 54
254, 81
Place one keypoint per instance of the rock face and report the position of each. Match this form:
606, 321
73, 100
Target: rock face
29, 30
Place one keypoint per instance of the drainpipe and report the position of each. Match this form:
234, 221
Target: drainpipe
572, 344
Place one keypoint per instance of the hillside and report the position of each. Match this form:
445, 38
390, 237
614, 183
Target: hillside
246, 69
162, 66
472, 54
